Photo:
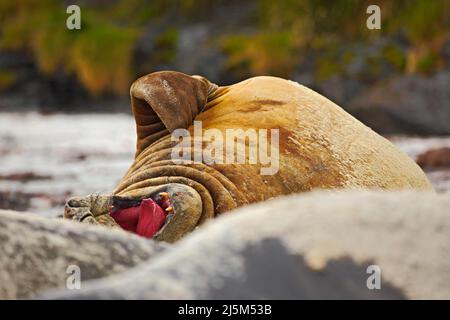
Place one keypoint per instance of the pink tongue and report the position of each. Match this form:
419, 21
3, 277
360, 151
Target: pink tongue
145, 219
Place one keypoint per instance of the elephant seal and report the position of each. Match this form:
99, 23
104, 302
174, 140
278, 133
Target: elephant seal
317, 146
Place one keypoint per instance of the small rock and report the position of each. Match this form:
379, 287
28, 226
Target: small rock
435, 159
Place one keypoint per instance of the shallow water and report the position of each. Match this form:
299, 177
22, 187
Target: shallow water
80, 154
44, 159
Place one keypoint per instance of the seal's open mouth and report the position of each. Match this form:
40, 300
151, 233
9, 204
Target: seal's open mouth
144, 217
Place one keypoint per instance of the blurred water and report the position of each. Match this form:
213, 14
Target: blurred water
81, 154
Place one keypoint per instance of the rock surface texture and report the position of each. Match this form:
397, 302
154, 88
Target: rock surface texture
36, 252
314, 245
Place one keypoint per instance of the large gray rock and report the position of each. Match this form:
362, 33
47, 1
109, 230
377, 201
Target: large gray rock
411, 104
315, 245
35, 252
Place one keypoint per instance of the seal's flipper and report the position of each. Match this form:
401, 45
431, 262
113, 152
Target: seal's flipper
165, 101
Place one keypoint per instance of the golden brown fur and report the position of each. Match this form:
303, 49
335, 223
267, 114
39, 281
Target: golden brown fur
321, 145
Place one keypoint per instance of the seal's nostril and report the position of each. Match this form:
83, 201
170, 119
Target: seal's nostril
78, 202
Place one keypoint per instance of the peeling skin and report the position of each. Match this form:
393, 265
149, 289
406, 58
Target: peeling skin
320, 145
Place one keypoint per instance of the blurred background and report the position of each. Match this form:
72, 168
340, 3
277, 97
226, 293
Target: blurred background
65, 126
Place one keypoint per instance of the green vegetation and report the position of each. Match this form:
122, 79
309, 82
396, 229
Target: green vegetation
322, 25
166, 46
7, 79
275, 38
395, 56
275, 53
99, 54
428, 62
